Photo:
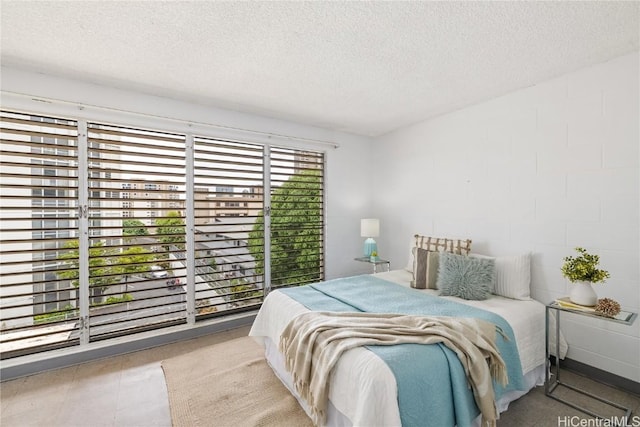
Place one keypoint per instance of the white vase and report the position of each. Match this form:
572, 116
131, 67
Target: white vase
582, 293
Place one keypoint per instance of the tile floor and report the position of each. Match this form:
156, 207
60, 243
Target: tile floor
129, 390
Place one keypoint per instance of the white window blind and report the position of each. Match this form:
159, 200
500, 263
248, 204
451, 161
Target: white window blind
229, 199
297, 217
137, 257
108, 230
38, 220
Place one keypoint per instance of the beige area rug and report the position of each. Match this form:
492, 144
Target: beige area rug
229, 384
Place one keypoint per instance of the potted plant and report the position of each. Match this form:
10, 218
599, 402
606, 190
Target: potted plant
583, 271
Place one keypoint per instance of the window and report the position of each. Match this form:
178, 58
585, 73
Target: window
224, 189
39, 217
297, 217
227, 167
122, 250
78, 252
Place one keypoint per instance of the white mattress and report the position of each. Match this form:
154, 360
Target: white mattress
363, 388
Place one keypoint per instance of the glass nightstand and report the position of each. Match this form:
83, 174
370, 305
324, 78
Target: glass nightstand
624, 317
376, 263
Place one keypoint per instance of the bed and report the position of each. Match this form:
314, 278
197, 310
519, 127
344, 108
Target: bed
363, 389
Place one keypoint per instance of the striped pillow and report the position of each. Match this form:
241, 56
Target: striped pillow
513, 276
425, 274
425, 258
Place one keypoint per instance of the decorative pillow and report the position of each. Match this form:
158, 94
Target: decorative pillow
465, 277
424, 258
513, 275
436, 244
420, 260
433, 261
455, 246
425, 270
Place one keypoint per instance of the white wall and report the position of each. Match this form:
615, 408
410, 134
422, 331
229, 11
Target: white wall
543, 169
348, 191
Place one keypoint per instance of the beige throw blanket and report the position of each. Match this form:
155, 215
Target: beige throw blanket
313, 342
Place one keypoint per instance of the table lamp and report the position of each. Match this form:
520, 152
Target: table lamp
369, 228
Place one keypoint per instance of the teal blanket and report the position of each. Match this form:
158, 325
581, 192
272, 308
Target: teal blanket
432, 385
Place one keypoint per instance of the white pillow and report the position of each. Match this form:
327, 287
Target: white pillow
412, 244
513, 276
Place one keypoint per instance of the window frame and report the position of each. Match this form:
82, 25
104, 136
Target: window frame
85, 191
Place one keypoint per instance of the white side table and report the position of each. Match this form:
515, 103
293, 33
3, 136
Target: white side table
375, 263
624, 317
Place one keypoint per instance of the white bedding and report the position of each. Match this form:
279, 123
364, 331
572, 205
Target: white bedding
521, 315
363, 388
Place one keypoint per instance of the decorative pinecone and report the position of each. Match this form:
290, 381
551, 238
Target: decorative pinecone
607, 307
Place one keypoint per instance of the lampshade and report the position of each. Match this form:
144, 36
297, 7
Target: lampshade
369, 227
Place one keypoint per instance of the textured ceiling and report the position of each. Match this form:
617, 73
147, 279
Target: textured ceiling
361, 67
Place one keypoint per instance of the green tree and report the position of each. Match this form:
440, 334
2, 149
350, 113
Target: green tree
134, 227
296, 231
102, 270
134, 260
213, 264
171, 230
